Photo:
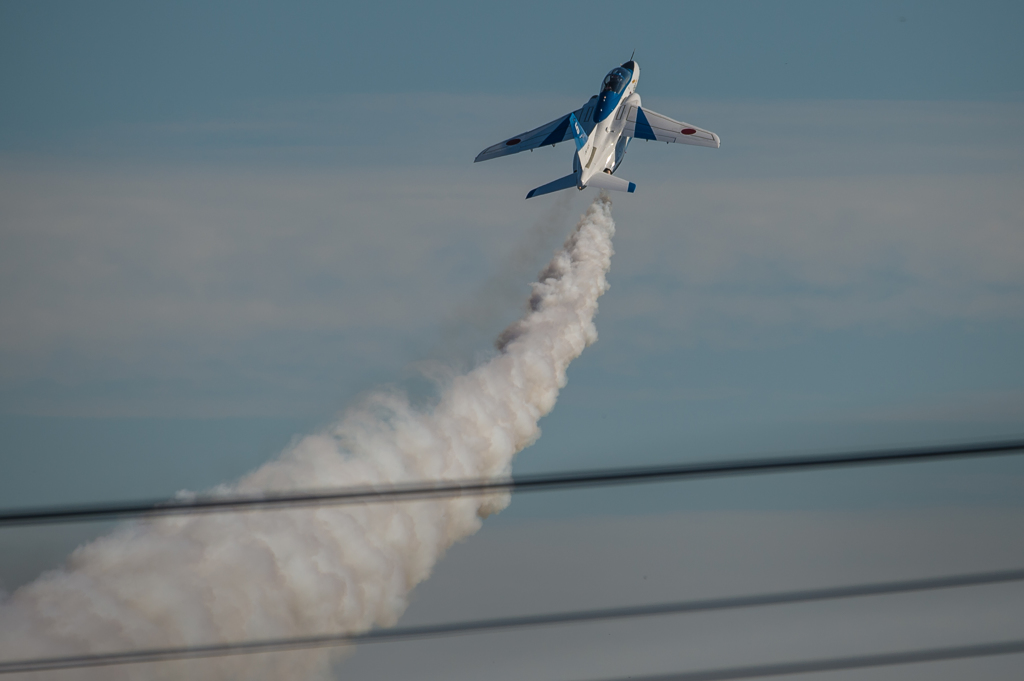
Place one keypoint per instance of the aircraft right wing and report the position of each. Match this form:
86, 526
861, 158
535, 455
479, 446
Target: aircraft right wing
552, 133
649, 125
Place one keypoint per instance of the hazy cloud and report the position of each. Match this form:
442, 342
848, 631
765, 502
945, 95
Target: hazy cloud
239, 279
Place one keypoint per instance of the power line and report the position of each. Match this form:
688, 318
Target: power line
943, 654
505, 623
529, 483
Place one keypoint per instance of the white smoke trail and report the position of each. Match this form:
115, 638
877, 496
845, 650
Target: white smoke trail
235, 576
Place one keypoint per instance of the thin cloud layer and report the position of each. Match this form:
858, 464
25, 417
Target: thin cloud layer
209, 286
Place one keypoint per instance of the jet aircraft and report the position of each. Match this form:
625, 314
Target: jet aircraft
602, 129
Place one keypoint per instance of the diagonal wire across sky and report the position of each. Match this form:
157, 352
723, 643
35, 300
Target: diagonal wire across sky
608, 477
534, 483
574, 617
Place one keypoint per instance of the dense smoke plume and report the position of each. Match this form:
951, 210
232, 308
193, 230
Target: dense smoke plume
228, 577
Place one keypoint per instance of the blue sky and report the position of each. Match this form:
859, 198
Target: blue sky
68, 66
222, 223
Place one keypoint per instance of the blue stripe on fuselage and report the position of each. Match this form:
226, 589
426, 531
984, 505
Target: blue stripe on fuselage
643, 129
606, 104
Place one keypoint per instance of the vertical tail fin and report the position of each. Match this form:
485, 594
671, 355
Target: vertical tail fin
577, 132
583, 145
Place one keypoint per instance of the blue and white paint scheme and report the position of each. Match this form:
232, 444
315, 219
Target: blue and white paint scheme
602, 129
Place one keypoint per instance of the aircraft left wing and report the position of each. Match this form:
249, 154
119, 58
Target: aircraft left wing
649, 125
550, 133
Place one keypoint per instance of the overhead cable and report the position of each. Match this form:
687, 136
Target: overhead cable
530, 483
920, 656
509, 623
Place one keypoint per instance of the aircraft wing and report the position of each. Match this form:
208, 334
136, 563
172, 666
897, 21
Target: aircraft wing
649, 125
549, 134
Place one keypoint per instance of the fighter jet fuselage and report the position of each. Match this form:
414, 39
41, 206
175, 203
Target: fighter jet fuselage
602, 129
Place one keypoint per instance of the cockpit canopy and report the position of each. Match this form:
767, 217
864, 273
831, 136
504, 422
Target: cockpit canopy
616, 80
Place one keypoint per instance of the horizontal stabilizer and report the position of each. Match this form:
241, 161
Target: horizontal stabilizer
606, 181
559, 184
